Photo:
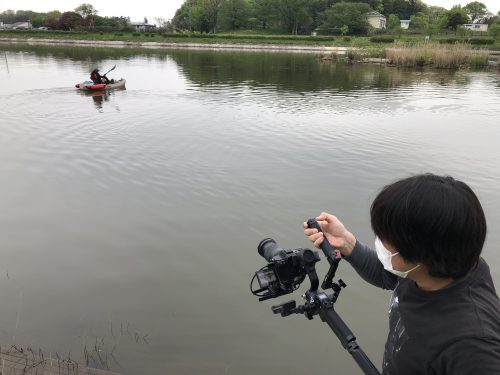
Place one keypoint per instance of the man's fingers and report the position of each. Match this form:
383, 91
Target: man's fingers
309, 231
319, 240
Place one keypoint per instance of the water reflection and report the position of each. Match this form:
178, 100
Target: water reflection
87, 56
297, 73
101, 97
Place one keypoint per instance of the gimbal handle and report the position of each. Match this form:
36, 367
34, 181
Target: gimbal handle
328, 250
333, 256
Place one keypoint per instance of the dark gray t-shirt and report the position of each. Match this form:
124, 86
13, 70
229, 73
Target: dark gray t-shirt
453, 331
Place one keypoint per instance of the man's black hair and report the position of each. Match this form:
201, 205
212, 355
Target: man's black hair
434, 220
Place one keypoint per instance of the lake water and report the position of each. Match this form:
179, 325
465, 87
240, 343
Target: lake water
129, 221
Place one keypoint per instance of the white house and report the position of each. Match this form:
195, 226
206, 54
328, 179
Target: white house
476, 26
16, 26
405, 24
376, 19
143, 26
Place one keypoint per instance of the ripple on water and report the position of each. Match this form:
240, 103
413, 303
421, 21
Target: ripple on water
148, 185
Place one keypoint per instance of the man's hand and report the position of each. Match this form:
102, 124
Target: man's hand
336, 234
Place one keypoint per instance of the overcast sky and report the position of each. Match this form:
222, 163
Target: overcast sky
136, 10
151, 9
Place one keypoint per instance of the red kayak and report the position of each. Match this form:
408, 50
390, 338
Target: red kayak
90, 86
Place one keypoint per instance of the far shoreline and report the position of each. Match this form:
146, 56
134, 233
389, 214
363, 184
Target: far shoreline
401, 56
182, 45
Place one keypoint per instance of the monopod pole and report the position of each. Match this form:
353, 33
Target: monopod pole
348, 340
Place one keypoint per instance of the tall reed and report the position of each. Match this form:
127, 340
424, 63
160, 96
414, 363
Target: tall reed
437, 55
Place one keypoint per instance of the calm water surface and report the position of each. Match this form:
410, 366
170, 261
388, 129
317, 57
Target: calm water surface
129, 221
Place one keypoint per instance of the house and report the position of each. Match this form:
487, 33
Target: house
376, 19
16, 26
405, 24
22, 26
143, 26
476, 26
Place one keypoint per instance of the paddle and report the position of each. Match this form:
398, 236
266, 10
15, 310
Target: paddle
113, 68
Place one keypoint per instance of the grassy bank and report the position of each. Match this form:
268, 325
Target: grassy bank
432, 55
437, 56
241, 38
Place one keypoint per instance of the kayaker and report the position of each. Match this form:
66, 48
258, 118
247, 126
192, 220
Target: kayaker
97, 78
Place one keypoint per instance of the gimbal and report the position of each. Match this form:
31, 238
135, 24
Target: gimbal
285, 271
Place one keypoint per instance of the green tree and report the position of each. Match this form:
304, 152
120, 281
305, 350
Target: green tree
393, 22
476, 10
234, 14
211, 8
434, 13
23, 15
293, 14
198, 19
456, 17
419, 21
88, 12
51, 19
353, 15
181, 20
111, 23
316, 10
264, 12
36, 20
494, 30
70, 21
416, 6
8, 16
398, 7
85, 10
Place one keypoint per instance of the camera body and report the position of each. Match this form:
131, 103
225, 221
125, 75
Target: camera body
285, 271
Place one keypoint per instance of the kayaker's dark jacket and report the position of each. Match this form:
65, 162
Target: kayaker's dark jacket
97, 78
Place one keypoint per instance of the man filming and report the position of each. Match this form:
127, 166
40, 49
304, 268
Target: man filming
444, 314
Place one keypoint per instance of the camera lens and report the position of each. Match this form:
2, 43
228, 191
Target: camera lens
268, 248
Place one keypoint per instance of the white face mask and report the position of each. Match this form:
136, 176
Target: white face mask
385, 257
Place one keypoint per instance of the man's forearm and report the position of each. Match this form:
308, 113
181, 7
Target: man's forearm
365, 262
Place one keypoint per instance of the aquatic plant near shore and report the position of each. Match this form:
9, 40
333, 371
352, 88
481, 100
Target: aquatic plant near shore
437, 56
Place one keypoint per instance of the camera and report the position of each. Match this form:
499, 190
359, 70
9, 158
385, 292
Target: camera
285, 271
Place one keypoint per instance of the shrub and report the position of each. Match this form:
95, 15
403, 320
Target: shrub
382, 39
450, 40
478, 60
481, 41
353, 55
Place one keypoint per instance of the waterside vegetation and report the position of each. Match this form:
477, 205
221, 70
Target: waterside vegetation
433, 55
437, 56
